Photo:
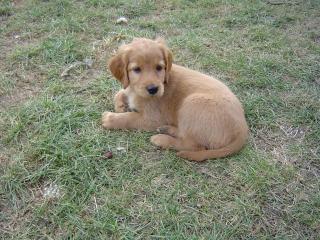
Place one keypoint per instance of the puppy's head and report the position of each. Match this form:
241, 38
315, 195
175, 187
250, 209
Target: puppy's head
143, 64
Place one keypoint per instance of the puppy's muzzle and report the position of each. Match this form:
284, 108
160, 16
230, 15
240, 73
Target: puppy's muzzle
152, 89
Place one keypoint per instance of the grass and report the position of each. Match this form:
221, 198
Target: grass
51, 137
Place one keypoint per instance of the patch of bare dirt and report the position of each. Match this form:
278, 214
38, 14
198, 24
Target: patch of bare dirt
15, 217
24, 84
299, 31
278, 143
18, 96
27, 84
26, 88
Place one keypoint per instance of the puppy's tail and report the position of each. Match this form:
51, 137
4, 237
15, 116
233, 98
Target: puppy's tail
202, 155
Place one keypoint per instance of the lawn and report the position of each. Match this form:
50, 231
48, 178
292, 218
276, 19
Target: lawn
55, 179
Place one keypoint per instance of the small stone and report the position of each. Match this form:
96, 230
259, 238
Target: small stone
122, 20
51, 191
121, 149
108, 155
88, 62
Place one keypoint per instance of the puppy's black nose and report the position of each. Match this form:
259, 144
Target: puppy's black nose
152, 89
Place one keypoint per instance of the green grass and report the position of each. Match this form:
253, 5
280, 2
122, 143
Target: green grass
269, 55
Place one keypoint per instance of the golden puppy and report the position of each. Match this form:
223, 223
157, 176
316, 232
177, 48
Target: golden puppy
194, 113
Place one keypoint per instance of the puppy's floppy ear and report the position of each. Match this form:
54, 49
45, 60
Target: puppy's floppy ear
167, 56
118, 66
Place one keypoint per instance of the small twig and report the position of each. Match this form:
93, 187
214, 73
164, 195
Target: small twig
83, 89
266, 140
196, 210
67, 70
206, 172
95, 203
86, 62
282, 3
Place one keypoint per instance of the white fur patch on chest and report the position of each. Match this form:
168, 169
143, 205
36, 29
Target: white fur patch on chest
131, 100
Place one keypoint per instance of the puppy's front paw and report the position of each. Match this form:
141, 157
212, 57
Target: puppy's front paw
108, 119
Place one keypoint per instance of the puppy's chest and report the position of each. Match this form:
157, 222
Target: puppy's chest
150, 108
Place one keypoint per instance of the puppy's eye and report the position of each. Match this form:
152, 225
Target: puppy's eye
137, 69
159, 68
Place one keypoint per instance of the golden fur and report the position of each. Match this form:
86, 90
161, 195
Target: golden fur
194, 113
